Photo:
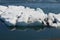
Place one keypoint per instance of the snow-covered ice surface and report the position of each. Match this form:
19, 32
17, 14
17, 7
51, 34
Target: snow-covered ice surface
25, 17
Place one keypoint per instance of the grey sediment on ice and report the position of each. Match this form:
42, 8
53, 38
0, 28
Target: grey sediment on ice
19, 17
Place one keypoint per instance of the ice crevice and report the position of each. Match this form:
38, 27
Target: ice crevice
21, 16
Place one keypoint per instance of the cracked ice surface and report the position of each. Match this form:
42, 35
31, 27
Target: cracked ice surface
21, 16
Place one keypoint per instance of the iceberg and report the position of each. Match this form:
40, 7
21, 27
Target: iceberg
28, 17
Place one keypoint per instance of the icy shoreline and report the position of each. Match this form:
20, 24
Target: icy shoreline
21, 16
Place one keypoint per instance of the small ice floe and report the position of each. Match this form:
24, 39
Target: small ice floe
54, 20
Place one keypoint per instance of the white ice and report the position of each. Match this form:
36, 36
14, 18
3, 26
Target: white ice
23, 16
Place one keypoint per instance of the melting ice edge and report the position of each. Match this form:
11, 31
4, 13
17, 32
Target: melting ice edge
25, 17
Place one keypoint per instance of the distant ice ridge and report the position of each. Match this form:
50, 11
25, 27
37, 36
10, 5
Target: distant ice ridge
21, 16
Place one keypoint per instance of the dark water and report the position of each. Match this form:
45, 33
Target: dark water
52, 33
